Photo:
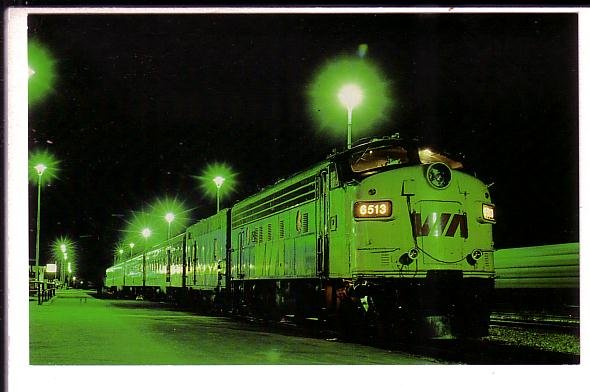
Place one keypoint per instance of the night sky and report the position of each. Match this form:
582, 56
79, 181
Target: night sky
142, 103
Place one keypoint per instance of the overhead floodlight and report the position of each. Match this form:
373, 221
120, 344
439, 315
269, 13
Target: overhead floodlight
218, 181
169, 217
351, 96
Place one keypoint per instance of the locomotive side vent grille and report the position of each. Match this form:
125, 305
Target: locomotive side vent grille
260, 237
385, 258
269, 232
305, 222
282, 229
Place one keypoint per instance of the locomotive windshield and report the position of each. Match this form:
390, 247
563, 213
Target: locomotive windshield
374, 158
427, 156
390, 154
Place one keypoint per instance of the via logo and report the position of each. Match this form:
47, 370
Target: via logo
439, 224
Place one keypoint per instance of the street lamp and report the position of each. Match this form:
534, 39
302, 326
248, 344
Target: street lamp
356, 83
40, 168
213, 177
63, 268
350, 96
169, 218
69, 272
131, 245
64, 250
218, 183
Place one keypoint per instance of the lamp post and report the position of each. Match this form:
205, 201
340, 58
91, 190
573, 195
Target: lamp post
69, 273
40, 168
131, 246
350, 96
146, 233
218, 183
64, 255
63, 268
169, 218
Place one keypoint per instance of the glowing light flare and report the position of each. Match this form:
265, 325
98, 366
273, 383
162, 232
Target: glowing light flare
167, 214
323, 95
169, 217
213, 175
218, 181
146, 233
133, 231
43, 167
64, 249
41, 71
351, 96
40, 168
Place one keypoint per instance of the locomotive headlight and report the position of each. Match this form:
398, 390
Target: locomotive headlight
488, 212
439, 175
474, 256
373, 209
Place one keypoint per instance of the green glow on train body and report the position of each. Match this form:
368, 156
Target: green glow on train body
386, 222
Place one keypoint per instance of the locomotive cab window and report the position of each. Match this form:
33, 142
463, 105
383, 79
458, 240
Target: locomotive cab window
375, 158
427, 156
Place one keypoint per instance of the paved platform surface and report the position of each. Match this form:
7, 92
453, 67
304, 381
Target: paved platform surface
76, 328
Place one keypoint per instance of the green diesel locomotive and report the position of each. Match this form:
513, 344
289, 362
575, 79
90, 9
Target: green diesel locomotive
388, 235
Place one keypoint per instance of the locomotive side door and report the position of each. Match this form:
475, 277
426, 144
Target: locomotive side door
322, 217
240, 263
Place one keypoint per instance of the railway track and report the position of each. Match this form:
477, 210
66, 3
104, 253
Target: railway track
540, 322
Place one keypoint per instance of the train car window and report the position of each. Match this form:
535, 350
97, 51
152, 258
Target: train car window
374, 158
427, 155
334, 182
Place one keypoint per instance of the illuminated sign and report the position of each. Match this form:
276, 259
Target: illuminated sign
51, 268
373, 209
